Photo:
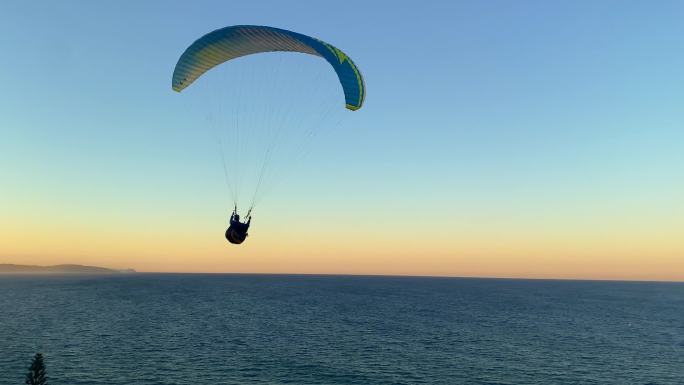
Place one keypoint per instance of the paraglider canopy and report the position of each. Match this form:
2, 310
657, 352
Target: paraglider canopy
233, 42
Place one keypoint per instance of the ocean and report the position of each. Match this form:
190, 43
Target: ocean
154, 329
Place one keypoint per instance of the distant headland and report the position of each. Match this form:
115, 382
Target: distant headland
6, 268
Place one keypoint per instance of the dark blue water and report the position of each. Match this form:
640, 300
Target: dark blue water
232, 329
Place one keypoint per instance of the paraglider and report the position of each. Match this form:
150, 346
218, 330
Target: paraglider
237, 231
233, 42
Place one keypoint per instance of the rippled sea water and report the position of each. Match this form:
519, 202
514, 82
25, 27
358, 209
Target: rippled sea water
283, 329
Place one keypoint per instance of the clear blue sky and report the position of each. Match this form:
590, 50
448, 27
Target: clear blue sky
488, 114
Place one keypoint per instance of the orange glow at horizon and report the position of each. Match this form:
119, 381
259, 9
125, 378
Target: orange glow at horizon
326, 249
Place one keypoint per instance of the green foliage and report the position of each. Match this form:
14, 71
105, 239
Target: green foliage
36, 374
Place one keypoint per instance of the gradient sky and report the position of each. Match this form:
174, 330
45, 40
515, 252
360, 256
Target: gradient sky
498, 138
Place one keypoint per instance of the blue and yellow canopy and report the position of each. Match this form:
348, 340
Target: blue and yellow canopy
232, 42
